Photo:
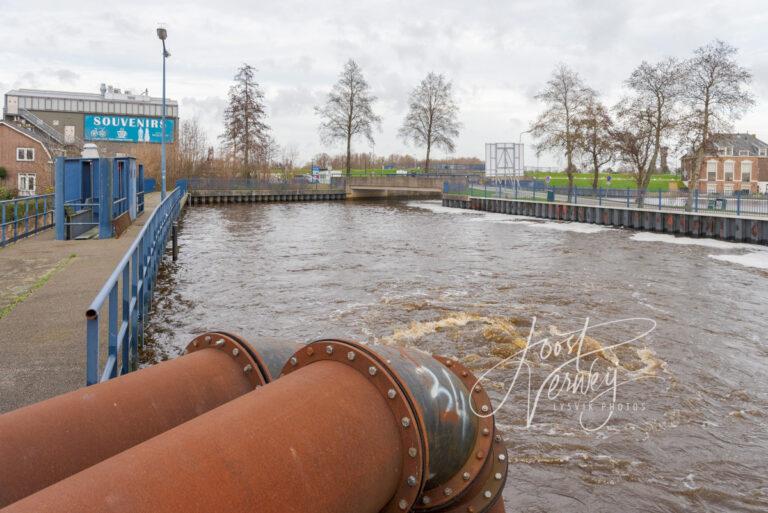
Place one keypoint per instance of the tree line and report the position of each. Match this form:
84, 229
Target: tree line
348, 113
674, 102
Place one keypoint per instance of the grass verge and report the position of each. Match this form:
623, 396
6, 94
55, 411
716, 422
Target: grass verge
19, 298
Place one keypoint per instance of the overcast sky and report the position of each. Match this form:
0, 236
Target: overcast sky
497, 53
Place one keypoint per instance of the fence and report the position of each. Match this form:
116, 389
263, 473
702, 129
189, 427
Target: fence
128, 293
255, 184
736, 203
22, 217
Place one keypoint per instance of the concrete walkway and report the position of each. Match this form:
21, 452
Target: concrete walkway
47, 285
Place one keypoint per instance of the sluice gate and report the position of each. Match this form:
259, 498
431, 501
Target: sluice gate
347, 427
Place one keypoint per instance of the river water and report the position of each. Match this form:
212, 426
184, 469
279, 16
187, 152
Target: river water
688, 429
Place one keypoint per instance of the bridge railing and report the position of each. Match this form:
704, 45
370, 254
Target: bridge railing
127, 295
22, 217
737, 203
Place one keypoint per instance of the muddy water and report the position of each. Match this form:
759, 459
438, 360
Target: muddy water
688, 431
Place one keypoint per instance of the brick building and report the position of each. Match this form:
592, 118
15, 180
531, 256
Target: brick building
737, 162
26, 161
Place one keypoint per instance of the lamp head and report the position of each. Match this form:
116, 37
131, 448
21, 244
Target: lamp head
162, 33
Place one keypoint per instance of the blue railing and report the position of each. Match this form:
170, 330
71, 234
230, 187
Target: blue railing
22, 217
133, 280
736, 203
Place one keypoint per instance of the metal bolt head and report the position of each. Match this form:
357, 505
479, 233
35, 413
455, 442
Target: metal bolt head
403, 504
448, 491
412, 452
219, 342
480, 455
497, 476
487, 494
426, 500
478, 389
235, 352
351, 356
208, 339
449, 363
329, 349
486, 431
464, 374
194, 343
310, 351
484, 408
502, 457
411, 480
372, 370
465, 476
497, 438
391, 393
294, 360
248, 368
405, 421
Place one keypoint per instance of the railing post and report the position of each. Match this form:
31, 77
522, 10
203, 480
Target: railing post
627, 197
659, 199
134, 317
696, 200
92, 350
15, 219
600, 196
125, 340
738, 204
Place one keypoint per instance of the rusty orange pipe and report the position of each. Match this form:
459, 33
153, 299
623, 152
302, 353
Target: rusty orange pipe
48, 441
320, 440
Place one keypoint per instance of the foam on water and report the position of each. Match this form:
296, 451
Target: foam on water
478, 216
753, 256
757, 259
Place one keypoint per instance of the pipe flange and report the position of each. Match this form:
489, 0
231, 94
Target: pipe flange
487, 490
236, 348
451, 490
398, 398
263, 368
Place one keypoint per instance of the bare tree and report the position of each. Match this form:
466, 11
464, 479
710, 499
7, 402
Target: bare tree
715, 93
634, 144
244, 127
432, 116
595, 143
192, 147
657, 88
565, 97
348, 112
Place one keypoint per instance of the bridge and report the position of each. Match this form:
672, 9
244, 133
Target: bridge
395, 186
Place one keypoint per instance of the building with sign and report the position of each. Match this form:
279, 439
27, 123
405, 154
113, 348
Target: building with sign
116, 121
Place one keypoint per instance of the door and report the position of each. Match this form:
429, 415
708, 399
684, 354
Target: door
132, 189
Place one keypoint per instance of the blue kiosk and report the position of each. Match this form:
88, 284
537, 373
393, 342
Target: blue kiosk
97, 197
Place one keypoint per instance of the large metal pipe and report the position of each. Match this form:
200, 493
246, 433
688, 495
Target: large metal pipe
348, 428
48, 441
322, 440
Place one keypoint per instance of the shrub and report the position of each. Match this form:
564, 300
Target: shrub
3, 173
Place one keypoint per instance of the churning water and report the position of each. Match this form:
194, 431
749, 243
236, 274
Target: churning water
686, 431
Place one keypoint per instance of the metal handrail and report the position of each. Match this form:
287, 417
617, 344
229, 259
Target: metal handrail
14, 224
134, 277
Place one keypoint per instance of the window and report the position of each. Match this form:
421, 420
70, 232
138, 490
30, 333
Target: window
27, 184
743, 153
711, 187
728, 188
25, 154
746, 171
711, 170
763, 152
729, 166
729, 151
721, 152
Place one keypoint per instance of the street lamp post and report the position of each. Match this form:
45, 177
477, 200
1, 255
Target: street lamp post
162, 33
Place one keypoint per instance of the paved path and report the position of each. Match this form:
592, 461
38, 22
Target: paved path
47, 285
